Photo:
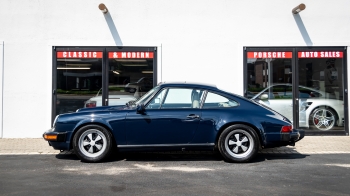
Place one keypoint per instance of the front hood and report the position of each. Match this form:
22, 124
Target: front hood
103, 108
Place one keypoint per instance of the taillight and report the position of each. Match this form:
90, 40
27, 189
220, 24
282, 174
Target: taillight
287, 129
91, 104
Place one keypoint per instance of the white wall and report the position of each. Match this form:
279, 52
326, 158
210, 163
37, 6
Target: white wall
1, 85
201, 40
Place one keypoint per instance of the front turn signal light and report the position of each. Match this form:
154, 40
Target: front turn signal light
50, 137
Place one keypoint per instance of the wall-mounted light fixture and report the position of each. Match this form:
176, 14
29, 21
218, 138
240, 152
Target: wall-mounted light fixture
298, 8
103, 8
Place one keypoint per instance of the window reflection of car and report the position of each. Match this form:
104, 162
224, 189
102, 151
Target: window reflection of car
114, 98
249, 95
316, 108
144, 84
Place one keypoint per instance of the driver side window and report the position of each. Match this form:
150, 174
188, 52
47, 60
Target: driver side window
155, 102
176, 98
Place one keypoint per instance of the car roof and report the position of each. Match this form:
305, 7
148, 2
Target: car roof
289, 84
188, 84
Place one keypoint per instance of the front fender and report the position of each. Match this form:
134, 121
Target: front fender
92, 121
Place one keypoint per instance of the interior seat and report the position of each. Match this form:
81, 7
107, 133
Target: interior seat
195, 99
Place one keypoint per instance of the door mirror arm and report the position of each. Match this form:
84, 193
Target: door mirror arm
140, 109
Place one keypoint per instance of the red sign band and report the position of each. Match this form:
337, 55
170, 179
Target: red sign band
82, 55
321, 54
274, 55
130, 55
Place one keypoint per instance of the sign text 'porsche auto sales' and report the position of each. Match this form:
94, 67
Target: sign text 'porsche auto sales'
130, 55
254, 55
321, 54
86, 55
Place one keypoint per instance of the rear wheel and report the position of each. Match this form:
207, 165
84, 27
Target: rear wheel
92, 143
238, 143
323, 118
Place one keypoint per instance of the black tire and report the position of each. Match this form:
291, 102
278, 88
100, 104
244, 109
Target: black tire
238, 143
92, 143
323, 118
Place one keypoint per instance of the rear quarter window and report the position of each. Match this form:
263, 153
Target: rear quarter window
214, 100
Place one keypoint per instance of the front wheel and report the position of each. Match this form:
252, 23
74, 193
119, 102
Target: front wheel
238, 143
92, 143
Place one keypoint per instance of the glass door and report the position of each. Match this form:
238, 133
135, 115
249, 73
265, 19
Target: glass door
270, 79
77, 79
130, 73
321, 89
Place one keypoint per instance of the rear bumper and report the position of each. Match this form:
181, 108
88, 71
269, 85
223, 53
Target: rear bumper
296, 135
292, 137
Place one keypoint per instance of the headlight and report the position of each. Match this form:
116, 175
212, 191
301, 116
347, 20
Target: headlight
54, 122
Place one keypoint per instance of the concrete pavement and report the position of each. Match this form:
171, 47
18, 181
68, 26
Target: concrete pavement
308, 145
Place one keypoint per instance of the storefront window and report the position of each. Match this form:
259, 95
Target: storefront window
130, 75
78, 78
270, 80
100, 76
315, 98
322, 73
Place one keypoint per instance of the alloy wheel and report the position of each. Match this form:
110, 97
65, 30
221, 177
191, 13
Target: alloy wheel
92, 143
323, 119
239, 143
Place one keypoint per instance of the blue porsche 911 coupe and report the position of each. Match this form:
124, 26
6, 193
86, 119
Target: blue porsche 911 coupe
174, 116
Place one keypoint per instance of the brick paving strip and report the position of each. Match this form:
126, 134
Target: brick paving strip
308, 145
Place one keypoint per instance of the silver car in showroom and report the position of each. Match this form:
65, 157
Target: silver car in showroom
317, 109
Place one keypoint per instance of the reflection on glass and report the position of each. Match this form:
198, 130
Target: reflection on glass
320, 90
129, 79
323, 108
78, 79
270, 83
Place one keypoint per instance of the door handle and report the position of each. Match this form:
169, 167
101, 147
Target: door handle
193, 116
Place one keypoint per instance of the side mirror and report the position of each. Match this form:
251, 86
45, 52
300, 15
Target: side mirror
264, 96
140, 108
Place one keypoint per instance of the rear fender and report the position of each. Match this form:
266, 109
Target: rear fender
258, 128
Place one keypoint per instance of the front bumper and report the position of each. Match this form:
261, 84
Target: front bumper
57, 139
54, 136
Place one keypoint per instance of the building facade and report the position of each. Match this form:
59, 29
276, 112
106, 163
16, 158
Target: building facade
58, 56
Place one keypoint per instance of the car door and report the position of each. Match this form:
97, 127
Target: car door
169, 118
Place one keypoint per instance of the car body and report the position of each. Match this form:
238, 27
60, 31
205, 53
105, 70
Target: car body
114, 98
174, 116
316, 108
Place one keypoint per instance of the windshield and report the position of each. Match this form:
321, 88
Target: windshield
147, 95
138, 81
